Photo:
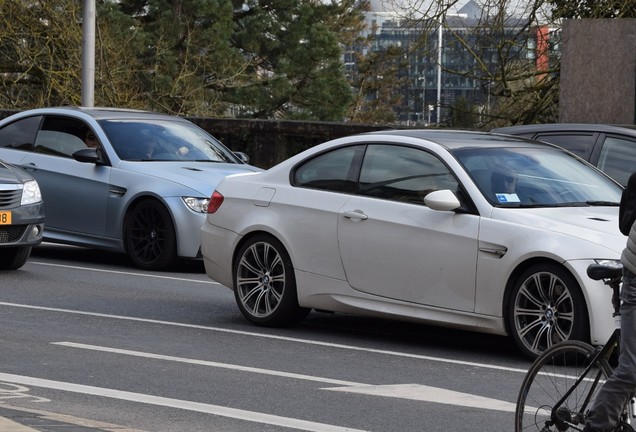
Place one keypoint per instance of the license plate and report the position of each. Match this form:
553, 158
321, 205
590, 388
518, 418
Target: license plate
5, 218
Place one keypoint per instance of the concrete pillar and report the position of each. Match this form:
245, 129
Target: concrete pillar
598, 71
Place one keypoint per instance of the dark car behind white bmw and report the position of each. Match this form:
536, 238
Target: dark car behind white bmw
610, 148
21, 216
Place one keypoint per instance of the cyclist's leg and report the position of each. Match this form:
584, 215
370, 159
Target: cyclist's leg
615, 392
551, 375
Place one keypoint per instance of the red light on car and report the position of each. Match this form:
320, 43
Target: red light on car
215, 202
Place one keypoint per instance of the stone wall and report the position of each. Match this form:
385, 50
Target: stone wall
598, 71
268, 142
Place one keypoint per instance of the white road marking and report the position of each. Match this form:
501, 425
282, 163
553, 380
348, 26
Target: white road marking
403, 391
207, 363
94, 269
430, 394
176, 403
12, 391
274, 337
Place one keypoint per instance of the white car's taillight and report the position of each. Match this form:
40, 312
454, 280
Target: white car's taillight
215, 202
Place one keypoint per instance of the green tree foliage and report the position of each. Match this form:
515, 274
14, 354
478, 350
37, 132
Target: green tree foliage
377, 85
119, 44
182, 47
39, 54
295, 69
462, 115
260, 59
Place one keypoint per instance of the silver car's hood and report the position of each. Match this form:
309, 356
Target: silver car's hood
200, 176
594, 224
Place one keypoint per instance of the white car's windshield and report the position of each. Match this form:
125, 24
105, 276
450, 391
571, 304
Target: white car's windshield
535, 177
160, 140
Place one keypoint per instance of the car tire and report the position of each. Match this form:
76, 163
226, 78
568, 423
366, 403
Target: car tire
265, 285
150, 237
546, 306
13, 258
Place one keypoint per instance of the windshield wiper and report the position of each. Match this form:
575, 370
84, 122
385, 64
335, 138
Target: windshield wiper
602, 203
200, 160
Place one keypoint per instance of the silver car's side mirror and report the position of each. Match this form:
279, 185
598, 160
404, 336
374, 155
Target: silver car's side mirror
442, 200
243, 157
88, 155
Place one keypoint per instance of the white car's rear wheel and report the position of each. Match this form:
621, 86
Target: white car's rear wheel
264, 283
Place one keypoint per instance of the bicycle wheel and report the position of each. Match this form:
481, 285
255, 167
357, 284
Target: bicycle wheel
550, 377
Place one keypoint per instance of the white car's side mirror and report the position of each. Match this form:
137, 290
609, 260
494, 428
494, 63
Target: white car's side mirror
442, 200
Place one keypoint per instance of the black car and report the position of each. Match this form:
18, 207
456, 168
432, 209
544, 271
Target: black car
21, 216
611, 148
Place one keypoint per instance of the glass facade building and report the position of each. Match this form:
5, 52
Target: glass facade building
462, 69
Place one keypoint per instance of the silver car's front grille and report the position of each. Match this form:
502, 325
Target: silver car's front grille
10, 197
12, 233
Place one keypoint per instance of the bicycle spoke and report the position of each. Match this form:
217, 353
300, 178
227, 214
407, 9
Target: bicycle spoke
551, 376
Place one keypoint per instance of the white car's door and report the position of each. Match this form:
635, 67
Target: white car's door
409, 252
393, 246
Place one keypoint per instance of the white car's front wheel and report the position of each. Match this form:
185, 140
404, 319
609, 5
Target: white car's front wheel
264, 283
546, 306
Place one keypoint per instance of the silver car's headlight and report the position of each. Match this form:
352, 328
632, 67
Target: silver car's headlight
199, 205
31, 193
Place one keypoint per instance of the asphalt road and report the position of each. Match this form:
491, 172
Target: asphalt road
86, 336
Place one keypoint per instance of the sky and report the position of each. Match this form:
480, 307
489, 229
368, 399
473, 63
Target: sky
401, 5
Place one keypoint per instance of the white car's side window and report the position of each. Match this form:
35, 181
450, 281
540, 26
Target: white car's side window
403, 174
332, 171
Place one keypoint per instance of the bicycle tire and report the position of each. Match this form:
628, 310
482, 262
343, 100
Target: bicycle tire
551, 375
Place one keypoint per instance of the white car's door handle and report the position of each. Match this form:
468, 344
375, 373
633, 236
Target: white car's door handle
355, 214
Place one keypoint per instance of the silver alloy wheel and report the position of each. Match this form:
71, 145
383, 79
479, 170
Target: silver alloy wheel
544, 311
261, 279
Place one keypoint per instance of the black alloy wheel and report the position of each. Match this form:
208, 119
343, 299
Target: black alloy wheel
150, 236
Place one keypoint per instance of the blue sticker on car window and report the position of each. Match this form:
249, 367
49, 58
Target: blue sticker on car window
507, 198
